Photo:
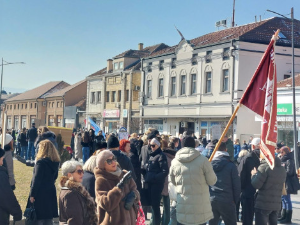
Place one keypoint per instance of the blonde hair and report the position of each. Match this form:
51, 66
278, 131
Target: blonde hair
90, 164
243, 152
47, 150
165, 137
133, 135
42, 129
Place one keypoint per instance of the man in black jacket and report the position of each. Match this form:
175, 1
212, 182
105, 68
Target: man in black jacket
8, 202
226, 192
250, 161
123, 160
31, 136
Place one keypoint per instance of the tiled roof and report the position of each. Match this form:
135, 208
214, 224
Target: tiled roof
38, 91
81, 104
64, 90
288, 82
258, 32
99, 72
135, 66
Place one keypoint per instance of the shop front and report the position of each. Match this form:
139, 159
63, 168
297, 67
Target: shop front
111, 120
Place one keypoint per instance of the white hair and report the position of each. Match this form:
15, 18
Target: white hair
69, 167
90, 164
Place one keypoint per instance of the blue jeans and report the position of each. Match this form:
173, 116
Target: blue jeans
286, 202
24, 152
85, 154
31, 150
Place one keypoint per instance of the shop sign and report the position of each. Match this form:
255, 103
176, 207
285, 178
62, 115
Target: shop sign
284, 109
69, 120
111, 113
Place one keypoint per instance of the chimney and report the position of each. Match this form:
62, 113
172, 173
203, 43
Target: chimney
109, 65
140, 46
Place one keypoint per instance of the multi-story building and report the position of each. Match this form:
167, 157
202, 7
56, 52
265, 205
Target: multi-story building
197, 84
30, 106
113, 92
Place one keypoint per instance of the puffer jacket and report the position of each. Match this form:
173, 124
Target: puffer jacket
292, 181
191, 174
269, 184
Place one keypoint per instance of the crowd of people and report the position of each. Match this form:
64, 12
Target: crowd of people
111, 181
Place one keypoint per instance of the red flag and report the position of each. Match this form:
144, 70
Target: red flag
261, 97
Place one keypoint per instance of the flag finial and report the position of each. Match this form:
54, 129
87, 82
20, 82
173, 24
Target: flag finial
182, 38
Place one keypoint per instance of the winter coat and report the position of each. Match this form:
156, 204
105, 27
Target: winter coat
22, 139
76, 206
78, 147
109, 199
210, 148
88, 181
269, 184
138, 144
237, 149
192, 173
245, 167
134, 158
124, 162
230, 149
48, 135
292, 182
170, 153
144, 158
8, 201
43, 189
228, 186
32, 134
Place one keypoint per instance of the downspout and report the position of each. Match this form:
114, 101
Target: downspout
63, 115
233, 80
142, 97
46, 103
130, 103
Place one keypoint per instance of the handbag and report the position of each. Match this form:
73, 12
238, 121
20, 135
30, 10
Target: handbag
140, 220
30, 215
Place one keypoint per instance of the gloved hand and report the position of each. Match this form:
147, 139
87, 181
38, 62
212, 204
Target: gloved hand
124, 180
129, 200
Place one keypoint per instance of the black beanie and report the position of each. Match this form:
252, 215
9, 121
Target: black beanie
112, 142
188, 141
2, 152
151, 136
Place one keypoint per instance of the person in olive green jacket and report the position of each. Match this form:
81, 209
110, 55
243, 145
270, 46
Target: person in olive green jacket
229, 147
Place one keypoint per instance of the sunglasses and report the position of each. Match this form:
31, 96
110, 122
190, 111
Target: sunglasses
79, 172
109, 161
152, 146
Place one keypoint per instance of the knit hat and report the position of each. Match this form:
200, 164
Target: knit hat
2, 152
123, 143
151, 136
188, 141
102, 157
112, 142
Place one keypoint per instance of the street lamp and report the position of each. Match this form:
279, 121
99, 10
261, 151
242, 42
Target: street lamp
4, 63
293, 84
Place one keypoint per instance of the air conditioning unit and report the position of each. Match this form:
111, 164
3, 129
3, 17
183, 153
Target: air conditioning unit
137, 88
117, 105
224, 22
183, 124
218, 23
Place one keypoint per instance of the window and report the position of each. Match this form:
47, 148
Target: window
173, 86
149, 88
127, 95
51, 121
208, 82
121, 65
52, 104
161, 87
116, 66
31, 105
25, 105
11, 107
286, 76
225, 80
173, 63
57, 104
18, 106
93, 97
161, 65
99, 96
194, 59
119, 96
149, 67
49, 104
22, 106
61, 104
226, 53
193, 84
208, 56
183, 82
59, 121
107, 96
14, 106
35, 105
113, 97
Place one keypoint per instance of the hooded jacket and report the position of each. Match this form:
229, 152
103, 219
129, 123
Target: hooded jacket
292, 181
48, 135
228, 186
191, 174
43, 189
124, 162
110, 206
269, 184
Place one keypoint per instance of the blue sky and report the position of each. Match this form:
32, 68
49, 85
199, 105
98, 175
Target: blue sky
71, 39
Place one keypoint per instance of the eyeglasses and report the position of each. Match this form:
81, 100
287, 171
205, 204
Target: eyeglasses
152, 146
109, 161
79, 172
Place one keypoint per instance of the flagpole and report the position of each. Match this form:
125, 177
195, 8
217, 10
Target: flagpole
225, 131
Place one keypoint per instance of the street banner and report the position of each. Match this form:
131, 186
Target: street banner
261, 97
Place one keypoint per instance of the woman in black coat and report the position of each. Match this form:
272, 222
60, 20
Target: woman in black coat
42, 188
291, 184
43, 134
88, 179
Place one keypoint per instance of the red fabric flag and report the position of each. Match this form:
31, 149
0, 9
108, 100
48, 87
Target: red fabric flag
261, 97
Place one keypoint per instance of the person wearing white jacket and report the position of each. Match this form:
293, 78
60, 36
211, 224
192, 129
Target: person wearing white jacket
192, 174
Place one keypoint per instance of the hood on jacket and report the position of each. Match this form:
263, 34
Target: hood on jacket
277, 162
169, 151
48, 134
53, 165
290, 155
220, 160
187, 154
